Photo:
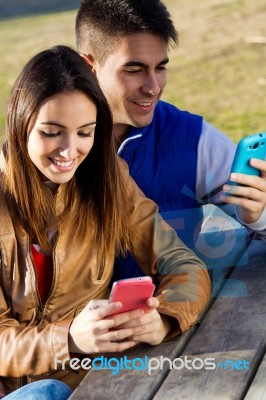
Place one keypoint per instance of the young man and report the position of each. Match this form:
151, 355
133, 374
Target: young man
177, 158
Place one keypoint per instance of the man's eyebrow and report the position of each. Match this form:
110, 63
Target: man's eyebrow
62, 126
140, 64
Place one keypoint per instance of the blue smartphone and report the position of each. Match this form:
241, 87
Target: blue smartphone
253, 146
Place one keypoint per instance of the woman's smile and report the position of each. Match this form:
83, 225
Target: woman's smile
62, 165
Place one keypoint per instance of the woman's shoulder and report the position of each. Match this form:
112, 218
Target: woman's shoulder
122, 164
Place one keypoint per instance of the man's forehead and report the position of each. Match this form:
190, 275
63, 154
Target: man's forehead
140, 48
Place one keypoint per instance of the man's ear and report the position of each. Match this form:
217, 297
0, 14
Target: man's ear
89, 61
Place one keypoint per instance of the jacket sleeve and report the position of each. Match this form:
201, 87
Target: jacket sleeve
23, 348
184, 284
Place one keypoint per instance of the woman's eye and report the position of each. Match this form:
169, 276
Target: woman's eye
50, 134
85, 134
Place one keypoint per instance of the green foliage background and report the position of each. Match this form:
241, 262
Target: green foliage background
217, 71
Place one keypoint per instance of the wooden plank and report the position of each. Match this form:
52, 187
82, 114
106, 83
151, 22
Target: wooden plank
257, 389
204, 384
133, 384
234, 328
222, 243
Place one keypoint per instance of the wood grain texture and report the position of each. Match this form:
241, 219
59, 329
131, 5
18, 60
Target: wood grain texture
234, 328
136, 385
257, 390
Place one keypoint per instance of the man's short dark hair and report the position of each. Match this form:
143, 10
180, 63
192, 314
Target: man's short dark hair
101, 23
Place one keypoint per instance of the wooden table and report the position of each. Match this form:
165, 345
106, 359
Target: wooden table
231, 339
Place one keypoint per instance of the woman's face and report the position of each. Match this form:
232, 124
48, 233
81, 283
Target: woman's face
62, 135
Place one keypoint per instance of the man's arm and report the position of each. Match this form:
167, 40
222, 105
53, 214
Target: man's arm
215, 157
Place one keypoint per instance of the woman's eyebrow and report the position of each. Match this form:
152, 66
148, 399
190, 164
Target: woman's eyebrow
62, 126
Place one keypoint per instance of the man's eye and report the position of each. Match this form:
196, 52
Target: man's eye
50, 134
133, 71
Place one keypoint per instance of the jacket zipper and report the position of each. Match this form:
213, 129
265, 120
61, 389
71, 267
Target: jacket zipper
39, 314
42, 306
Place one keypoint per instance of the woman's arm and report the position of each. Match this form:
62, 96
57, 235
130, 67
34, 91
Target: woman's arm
184, 284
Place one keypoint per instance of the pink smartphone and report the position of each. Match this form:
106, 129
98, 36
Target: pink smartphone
132, 293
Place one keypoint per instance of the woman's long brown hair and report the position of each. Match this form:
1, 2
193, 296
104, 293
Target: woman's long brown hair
94, 200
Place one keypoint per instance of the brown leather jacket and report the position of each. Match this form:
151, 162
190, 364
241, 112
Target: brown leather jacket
31, 333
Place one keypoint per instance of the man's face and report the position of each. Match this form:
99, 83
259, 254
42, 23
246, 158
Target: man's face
133, 78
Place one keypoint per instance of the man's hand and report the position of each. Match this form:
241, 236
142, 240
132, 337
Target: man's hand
251, 197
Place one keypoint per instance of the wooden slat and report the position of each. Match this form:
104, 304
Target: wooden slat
234, 327
136, 385
257, 389
222, 243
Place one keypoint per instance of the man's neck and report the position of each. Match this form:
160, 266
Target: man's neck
120, 133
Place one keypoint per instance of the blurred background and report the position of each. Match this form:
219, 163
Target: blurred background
18, 8
218, 70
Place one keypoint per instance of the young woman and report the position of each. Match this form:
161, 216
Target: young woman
67, 208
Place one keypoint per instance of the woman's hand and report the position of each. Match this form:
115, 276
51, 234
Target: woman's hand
251, 197
155, 326
96, 330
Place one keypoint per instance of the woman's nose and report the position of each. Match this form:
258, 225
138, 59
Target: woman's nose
68, 148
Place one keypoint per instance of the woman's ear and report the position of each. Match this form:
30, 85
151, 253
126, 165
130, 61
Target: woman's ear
89, 61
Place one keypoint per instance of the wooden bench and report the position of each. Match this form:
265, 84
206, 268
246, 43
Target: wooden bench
232, 333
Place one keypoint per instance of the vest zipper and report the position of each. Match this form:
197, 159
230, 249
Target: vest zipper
121, 147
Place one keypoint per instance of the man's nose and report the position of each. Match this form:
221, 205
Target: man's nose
152, 85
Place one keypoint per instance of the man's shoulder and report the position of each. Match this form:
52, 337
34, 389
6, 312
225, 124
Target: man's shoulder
169, 118
165, 108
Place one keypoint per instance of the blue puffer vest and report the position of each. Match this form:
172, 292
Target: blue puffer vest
162, 159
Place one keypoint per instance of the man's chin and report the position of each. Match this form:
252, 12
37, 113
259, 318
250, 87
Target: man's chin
142, 122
